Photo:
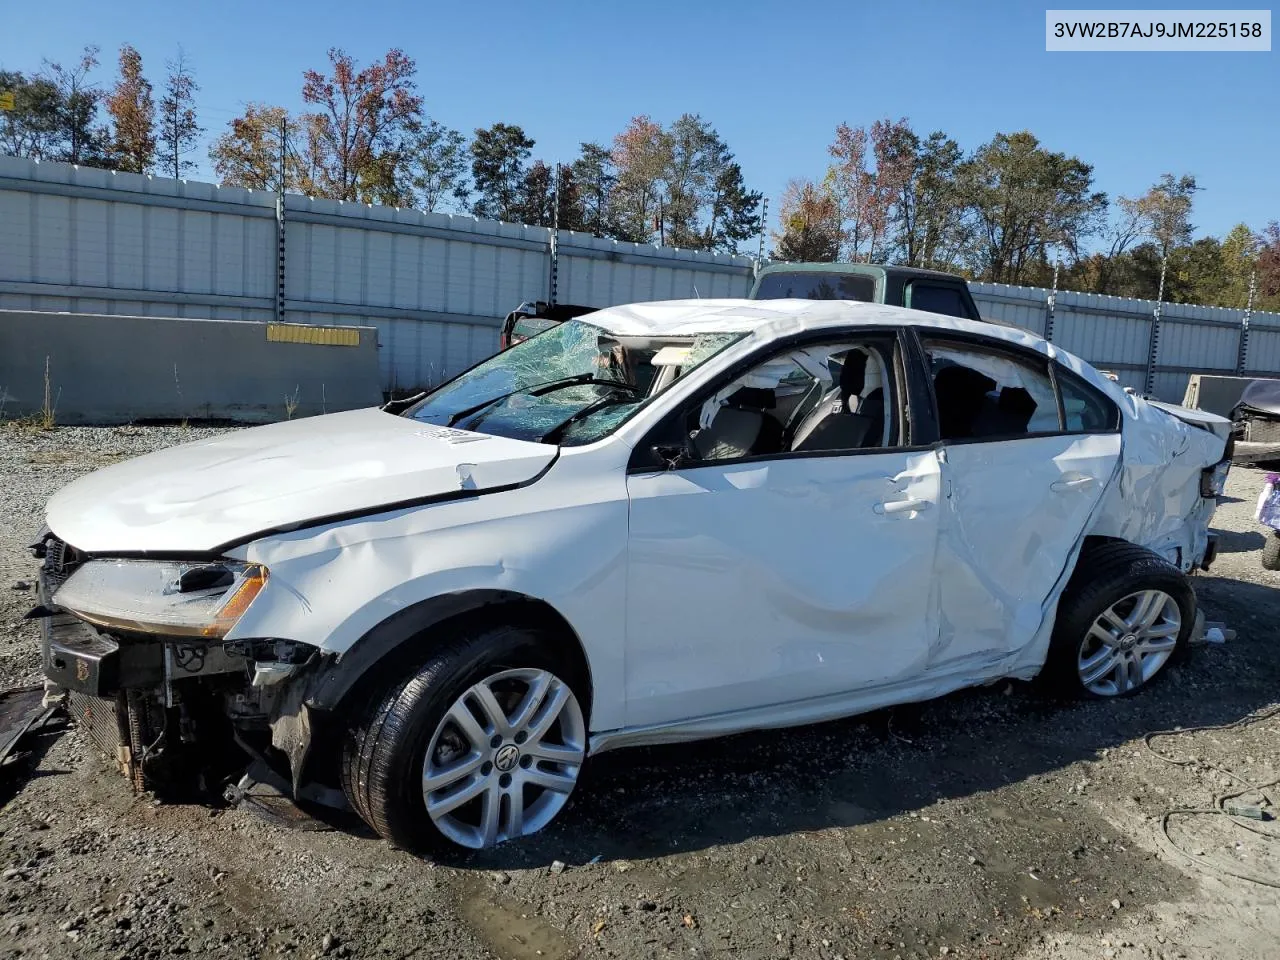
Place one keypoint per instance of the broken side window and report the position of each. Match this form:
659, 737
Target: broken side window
988, 394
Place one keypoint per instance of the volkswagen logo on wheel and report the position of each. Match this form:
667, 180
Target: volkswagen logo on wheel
507, 757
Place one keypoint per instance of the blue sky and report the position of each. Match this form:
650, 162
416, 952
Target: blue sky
774, 78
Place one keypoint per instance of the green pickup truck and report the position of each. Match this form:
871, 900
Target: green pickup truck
911, 287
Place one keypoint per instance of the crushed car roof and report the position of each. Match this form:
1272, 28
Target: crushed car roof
768, 318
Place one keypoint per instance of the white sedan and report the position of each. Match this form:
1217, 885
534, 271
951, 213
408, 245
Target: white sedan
653, 523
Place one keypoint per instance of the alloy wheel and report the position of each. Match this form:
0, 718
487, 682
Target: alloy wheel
1129, 643
505, 757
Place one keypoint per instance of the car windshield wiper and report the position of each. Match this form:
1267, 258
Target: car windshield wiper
538, 389
555, 433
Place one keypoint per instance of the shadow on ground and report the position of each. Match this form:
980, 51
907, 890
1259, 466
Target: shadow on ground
1237, 541
22, 766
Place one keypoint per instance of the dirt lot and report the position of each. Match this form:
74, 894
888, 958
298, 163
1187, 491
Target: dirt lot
991, 823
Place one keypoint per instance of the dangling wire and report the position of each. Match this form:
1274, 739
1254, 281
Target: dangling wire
1219, 807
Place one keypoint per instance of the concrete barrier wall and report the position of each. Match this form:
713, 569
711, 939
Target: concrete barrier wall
121, 369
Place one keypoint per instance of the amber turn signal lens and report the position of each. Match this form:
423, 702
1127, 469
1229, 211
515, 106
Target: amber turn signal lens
251, 584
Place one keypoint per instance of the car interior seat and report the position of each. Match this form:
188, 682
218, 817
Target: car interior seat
741, 427
1015, 407
871, 405
961, 393
837, 421
1006, 415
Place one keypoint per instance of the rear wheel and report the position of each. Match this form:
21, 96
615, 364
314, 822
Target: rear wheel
1271, 552
1123, 616
482, 744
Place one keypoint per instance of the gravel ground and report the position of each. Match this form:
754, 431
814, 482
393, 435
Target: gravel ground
991, 823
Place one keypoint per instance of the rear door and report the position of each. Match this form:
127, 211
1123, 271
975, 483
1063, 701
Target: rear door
1022, 482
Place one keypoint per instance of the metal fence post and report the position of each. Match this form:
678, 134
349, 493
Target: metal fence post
1051, 304
280, 224
552, 268
1153, 347
1242, 355
280, 267
553, 252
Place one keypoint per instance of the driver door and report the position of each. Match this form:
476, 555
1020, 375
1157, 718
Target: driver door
771, 569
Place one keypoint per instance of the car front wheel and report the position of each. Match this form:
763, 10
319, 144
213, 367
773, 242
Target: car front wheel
1125, 613
482, 744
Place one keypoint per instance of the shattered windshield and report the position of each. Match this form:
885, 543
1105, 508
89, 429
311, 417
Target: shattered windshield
573, 384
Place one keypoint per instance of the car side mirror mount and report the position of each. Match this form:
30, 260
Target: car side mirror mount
675, 455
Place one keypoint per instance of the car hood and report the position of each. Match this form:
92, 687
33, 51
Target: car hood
207, 495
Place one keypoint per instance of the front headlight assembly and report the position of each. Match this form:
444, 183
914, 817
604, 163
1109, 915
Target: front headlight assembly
166, 598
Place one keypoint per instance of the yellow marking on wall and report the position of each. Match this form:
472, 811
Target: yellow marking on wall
306, 333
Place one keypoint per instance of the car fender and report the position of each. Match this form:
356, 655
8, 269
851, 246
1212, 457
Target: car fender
561, 546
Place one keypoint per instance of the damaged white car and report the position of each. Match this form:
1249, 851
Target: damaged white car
653, 523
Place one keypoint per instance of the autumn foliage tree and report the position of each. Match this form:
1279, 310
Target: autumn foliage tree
355, 137
1166, 210
681, 183
132, 111
248, 153
1269, 262
642, 155
851, 183
810, 217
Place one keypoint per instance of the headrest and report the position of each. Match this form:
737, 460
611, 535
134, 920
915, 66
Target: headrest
853, 373
753, 398
966, 379
1017, 400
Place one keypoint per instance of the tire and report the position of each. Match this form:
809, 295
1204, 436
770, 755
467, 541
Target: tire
1271, 552
386, 744
1112, 578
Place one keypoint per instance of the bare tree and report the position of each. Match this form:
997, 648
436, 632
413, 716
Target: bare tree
77, 108
179, 131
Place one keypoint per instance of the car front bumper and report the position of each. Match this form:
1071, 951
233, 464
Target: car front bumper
78, 658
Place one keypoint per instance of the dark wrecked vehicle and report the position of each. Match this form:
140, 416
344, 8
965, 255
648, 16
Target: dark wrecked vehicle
536, 316
1255, 422
652, 524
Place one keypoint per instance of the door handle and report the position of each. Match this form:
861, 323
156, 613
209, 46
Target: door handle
909, 505
1072, 483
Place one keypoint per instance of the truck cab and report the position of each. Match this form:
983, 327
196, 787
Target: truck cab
912, 287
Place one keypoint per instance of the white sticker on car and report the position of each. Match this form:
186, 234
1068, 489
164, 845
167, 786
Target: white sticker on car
450, 435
